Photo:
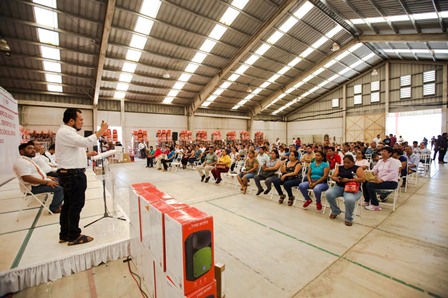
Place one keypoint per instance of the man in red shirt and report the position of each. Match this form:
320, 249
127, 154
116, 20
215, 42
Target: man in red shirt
333, 158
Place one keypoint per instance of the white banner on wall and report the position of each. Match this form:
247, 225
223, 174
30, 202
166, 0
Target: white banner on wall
9, 135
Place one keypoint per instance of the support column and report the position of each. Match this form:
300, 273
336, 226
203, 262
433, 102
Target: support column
94, 117
250, 123
190, 120
344, 112
123, 124
444, 98
386, 93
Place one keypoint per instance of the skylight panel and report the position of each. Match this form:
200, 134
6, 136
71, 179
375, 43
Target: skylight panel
208, 45
119, 94
143, 25
191, 67
125, 77
294, 61
251, 60
218, 32
241, 69
374, 20
46, 17
355, 47
218, 91
288, 24
236, 107
444, 14
168, 100
438, 51
50, 53
240, 4
284, 70
233, 77
303, 10
49, 3
150, 8
122, 86
129, 67
256, 91
54, 88
52, 66
273, 78
333, 31
249, 96
308, 78
265, 84
323, 84
306, 52
330, 63
356, 63
179, 85
53, 78
371, 55
319, 42
262, 49
205, 104
290, 90
281, 96
344, 71
296, 86
357, 21
317, 72
306, 94
225, 85
313, 89
342, 56
229, 16
173, 93
212, 98
425, 16
275, 37
199, 57
47, 36
398, 18
184, 77
133, 55
333, 77
138, 41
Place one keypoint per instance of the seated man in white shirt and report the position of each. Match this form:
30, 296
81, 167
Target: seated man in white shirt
50, 155
35, 179
413, 159
42, 161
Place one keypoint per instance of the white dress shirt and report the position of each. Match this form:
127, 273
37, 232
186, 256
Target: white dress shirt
43, 163
24, 166
71, 148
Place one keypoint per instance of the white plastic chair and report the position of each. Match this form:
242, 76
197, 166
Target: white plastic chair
395, 193
28, 196
230, 177
176, 163
425, 164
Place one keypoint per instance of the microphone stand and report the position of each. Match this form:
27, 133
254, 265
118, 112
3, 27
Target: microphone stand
106, 211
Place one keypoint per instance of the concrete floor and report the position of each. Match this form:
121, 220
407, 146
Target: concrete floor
277, 251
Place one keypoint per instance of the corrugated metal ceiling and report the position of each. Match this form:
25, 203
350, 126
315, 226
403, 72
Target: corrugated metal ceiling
180, 29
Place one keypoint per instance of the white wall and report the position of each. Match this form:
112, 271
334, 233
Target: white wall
306, 129
272, 130
49, 118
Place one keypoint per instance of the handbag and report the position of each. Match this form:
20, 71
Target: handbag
351, 186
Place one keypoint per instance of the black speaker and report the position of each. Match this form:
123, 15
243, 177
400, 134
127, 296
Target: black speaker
87, 133
198, 254
174, 136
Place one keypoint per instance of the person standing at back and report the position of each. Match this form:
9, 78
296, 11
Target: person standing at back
72, 161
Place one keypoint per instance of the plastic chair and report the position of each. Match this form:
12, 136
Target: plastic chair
28, 196
176, 163
395, 193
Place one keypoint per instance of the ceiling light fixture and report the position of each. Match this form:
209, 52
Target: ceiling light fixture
4, 46
166, 75
335, 47
249, 89
374, 72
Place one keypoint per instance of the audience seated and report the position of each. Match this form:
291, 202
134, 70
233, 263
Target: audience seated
349, 172
209, 163
35, 179
267, 173
386, 177
150, 157
361, 161
42, 161
291, 170
333, 158
169, 159
222, 166
398, 154
308, 155
413, 159
317, 175
251, 168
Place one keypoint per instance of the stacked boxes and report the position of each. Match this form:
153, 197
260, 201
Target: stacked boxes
171, 244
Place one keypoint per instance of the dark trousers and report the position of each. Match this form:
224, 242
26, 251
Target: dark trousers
216, 172
287, 185
165, 163
442, 153
370, 190
74, 183
149, 161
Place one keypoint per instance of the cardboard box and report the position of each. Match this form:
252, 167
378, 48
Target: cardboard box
189, 249
220, 280
159, 282
157, 211
146, 199
134, 208
206, 291
147, 271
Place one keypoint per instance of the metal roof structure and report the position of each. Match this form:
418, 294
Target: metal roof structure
259, 57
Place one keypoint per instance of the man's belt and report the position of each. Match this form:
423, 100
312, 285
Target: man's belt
65, 171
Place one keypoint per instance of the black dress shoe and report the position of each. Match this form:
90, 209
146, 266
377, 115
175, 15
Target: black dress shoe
207, 179
202, 178
259, 192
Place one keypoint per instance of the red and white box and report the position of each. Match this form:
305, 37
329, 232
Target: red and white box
147, 271
189, 245
146, 199
157, 211
206, 291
